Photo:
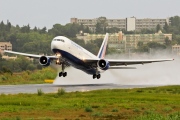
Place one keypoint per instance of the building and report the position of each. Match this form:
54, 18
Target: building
124, 42
133, 39
148, 23
115, 40
8, 57
176, 49
129, 24
5, 46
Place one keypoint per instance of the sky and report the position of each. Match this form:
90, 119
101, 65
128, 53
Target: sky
46, 13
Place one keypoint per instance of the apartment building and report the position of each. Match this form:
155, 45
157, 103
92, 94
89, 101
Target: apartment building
5, 46
133, 39
148, 23
125, 42
129, 24
176, 49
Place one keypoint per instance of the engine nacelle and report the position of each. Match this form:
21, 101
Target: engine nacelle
45, 61
103, 64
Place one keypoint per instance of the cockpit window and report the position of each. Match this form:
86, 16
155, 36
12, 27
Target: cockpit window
59, 40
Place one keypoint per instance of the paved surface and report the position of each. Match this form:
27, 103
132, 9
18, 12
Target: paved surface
50, 88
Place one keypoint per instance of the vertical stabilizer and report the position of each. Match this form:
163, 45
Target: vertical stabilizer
102, 51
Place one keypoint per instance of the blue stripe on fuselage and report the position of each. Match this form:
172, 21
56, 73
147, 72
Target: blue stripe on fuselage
76, 62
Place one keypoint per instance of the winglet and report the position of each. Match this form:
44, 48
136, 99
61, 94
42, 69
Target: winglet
102, 51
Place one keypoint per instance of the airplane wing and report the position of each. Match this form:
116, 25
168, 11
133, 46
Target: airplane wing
29, 55
132, 62
117, 67
117, 63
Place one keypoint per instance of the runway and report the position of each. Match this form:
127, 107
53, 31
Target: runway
51, 88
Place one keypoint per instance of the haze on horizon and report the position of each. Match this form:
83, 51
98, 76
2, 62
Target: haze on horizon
46, 13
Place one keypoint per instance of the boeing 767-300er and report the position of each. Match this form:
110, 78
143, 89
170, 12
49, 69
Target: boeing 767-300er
68, 53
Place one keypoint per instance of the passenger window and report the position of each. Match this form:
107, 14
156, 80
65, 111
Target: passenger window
59, 40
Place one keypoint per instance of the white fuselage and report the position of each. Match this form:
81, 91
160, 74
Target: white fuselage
73, 53
65, 44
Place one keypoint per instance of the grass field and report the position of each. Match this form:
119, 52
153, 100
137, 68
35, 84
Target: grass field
160, 103
28, 77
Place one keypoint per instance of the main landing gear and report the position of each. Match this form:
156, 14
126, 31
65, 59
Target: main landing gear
96, 76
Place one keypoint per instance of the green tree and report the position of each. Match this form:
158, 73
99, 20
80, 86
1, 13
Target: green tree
31, 67
23, 62
8, 26
89, 45
86, 30
99, 29
57, 30
2, 26
43, 30
113, 30
72, 29
98, 42
79, 42
12, 39
156, 45
167, 42
175, 25
101, 25
147, 31
25, 29
177, 38
166, 27
175, 21
158, 27
0, 58
140, 44
35, 29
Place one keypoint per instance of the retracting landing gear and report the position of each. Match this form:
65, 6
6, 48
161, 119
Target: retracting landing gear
58, 61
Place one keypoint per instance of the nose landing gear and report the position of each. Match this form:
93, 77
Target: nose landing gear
59, 61
64, 74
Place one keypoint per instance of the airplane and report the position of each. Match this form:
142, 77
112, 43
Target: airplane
68, 53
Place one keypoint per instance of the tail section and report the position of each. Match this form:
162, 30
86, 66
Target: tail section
102, 51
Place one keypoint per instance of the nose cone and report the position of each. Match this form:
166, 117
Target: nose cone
58, 43
54, 45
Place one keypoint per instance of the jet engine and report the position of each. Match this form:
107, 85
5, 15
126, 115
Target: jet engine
45, 61
103, 64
